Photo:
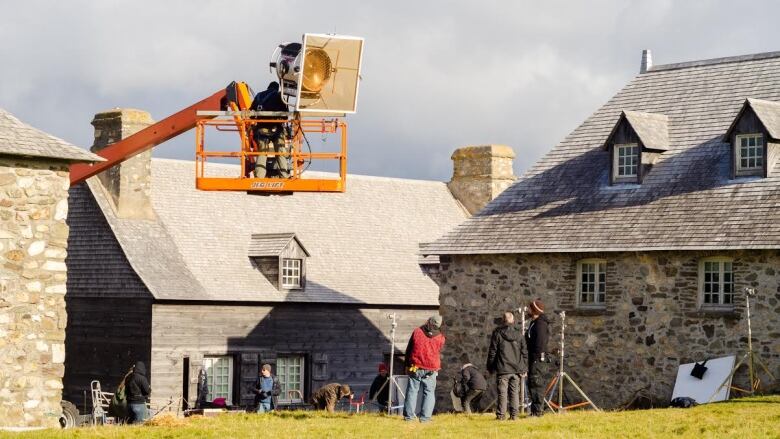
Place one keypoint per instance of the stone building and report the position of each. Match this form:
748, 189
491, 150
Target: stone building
226, 281
645, 225
33, 245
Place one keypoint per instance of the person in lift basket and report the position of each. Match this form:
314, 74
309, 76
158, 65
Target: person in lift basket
423, 361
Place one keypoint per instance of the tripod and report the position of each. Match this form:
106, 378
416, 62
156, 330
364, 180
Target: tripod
392, 381
750, 357
560, 379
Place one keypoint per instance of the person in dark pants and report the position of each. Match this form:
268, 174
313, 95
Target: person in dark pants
474, 385
266, 390
137, 390
537, 336
507, 359
380, 388
271, 137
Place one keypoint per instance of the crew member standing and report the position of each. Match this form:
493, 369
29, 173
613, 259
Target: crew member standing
507, 359
536, 339
423, 360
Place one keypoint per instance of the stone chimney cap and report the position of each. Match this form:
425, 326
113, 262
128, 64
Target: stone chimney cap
647, 61
128, 115
483, 151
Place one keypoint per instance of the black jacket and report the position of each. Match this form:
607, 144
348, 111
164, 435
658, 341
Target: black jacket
507, 353
137, 385
380, 389
472, 378
275, 391
537, 336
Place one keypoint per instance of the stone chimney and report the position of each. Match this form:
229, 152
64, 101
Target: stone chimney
128, 184
647, 61
480, 173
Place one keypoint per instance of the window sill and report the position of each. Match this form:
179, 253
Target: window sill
588, 311
728, 313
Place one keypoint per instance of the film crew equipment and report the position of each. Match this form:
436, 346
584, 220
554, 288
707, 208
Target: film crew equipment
393, 382
561, 377
750, 357
524, 377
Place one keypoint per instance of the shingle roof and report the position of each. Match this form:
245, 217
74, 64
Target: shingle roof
652, 129
363, 244
564, 203
271, 244
18, 138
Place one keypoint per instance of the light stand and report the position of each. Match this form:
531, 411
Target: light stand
523, 377
392, 381
558, 381
750, 357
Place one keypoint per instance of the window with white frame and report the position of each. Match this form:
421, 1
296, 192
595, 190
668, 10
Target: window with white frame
591, 283
289, 370
750, 153
716, 283
291, 273
220, 377
626, 161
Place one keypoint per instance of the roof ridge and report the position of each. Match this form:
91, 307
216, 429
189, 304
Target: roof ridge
713, 61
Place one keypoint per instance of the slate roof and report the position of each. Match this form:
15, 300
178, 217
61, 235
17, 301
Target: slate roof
652, 129
564, 203
271, 244
363, 244
18, 138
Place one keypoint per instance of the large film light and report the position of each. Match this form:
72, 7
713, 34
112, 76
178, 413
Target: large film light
322, 74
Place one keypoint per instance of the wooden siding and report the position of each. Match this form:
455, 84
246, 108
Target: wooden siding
103, 339
748, 123
341, 343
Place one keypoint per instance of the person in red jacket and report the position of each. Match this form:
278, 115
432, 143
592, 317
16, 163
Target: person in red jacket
423, 361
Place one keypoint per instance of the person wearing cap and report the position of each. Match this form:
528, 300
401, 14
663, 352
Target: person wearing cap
507, 358
536, 338
266, 390
423, 361
380, 388
474, 385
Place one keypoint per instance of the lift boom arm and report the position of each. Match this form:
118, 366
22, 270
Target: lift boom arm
146, 139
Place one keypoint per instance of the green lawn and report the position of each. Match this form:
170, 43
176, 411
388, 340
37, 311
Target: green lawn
743, 418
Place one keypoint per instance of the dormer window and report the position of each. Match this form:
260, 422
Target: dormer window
281, 258
636, 141
626, 161
754, 136
750, 154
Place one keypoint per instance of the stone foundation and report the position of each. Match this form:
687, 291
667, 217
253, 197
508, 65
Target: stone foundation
651, 323
33, 241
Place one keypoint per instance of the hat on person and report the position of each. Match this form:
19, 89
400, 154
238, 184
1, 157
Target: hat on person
267, 367
382, 367
435, 321
536, 306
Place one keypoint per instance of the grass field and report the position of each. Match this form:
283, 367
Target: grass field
743, 418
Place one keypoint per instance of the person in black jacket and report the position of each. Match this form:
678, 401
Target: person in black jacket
271, 136
266, 389
137, 390
380, 388
474, 385
537, 336
507, 359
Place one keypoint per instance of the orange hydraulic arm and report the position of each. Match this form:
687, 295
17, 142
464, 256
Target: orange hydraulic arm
147, 138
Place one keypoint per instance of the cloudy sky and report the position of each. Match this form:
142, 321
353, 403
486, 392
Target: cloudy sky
436, 75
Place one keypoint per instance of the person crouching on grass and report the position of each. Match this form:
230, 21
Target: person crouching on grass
423, 360
266, 390
327, 396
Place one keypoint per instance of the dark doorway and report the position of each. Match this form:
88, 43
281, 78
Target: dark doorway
185, 383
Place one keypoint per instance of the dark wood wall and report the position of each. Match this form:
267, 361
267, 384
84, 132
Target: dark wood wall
342, 343
104, 338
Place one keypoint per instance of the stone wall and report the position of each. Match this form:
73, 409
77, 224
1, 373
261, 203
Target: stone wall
33, 242
650, 325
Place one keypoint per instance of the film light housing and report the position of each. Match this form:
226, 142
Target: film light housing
322, 74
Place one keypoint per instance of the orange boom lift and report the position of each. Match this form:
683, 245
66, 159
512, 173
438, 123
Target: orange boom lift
321, 90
